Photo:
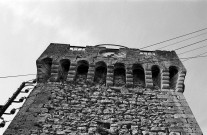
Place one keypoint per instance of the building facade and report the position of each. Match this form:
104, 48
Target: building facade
106, 90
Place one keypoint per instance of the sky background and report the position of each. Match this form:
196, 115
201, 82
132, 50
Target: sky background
28, 27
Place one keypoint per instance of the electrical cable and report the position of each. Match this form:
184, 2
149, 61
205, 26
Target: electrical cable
173, 38
200, 55
181, 41
192, 50
16, 75
190, 45
195, 57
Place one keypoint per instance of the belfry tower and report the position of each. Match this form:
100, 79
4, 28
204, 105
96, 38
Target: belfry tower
106, 90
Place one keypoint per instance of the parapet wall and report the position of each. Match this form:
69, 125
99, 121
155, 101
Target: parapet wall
113, 67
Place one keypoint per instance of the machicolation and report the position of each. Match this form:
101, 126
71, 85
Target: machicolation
112, 67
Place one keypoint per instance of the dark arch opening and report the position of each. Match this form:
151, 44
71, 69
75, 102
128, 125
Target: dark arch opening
64, 68
100, 72
82, 70
46, 68
156, 75
119, 74
173, 76
138, 75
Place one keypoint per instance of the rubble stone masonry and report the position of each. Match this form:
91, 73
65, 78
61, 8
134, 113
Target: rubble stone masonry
95, 90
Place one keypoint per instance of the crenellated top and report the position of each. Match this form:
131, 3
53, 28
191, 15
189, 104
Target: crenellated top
114, 66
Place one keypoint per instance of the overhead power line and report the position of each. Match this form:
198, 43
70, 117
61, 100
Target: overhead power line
195, 56
174, 38
190, 44
16, 75
181, 41
199, 55
192, 50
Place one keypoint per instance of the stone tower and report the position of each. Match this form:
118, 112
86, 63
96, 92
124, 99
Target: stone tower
106, 90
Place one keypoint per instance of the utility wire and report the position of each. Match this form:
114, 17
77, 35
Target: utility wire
192, 50
181, 41
195, 57
190, 44
174, 38
200, 55
16, 75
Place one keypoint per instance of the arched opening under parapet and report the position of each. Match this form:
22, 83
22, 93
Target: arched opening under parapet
173, 70
119, 74
81, 71
138, 75
64, 68
46, 68
100, 72
156, 75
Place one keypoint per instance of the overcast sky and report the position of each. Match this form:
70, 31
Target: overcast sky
27, 28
